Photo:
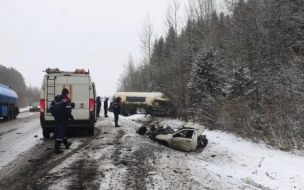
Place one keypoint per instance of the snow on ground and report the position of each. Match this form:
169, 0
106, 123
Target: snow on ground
252, 163
24, 109
16, 139
231, 158
228, 162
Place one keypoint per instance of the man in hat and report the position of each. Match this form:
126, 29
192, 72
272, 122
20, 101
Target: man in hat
105, 107
116, 110
61, 110
98, 104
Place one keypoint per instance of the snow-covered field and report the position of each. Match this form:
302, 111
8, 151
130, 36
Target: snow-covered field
228, 162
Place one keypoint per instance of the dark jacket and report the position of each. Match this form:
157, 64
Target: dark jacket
105, 104
98, 102
116, 107
61, 108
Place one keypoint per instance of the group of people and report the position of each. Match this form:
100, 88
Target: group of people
116, 108
105, 106
61, 110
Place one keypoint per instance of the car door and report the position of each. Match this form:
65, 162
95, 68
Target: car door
183, 142
79, 87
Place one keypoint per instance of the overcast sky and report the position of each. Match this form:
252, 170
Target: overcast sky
98, 35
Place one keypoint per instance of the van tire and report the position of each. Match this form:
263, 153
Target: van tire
46, 133
91, 131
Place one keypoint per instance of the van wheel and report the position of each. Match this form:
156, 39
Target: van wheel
91, 131
46, 133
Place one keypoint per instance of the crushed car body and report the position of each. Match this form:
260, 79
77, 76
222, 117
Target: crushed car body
187, 138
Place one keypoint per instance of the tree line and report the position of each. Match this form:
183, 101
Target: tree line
241, 71
13, 78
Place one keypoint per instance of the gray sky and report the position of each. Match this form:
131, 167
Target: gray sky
98, 35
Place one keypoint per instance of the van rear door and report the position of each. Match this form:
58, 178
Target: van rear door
53, 86
80, 95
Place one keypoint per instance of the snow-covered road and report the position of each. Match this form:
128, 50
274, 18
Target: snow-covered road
19, 135
119, 158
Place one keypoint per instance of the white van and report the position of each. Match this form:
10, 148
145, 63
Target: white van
82, 95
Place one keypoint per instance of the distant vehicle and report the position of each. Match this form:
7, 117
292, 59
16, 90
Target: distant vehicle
82, 95
154, 103
35, 107
8, 103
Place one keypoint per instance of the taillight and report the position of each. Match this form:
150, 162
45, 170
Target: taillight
42, 107
91, 106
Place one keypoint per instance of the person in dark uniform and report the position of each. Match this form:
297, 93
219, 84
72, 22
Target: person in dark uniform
116, 110
61, 110
98, 105
105, 107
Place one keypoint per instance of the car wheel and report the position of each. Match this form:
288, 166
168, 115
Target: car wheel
142, 130
202, 141
46, 133
91, 131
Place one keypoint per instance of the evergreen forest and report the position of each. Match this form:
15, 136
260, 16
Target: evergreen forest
241, 71
14, 79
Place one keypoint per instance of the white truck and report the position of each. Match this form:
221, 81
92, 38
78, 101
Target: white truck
82, 95
154, 103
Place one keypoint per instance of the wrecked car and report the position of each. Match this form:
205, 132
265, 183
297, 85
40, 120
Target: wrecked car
187, 138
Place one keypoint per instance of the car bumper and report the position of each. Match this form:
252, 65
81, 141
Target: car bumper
51, 124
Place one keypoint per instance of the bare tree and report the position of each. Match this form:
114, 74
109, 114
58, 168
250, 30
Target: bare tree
146, 39
172, 17
128, 79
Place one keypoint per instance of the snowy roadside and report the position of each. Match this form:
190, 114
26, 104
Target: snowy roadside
119, 158
127, 160
24, 109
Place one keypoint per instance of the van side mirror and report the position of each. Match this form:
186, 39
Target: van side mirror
73, 105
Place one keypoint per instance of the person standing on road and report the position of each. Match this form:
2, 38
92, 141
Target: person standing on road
105, 107
98, 105
116, 110
61, 110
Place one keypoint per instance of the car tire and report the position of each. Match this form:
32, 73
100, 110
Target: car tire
142, 130
202, 141
46, 133
91, 131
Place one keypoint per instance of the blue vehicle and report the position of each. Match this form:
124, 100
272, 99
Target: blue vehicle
8, 103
